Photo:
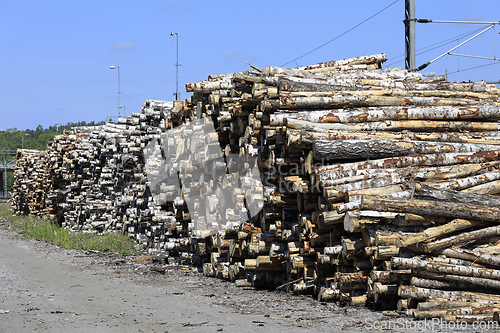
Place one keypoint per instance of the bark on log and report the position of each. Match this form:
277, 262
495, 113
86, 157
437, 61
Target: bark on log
488, 188
390, 93
308, 137
427, 235
416, 264
462, 282
471, 255
363, 149
405, 291
355, 101
430, 207
463, 238
396, 125
443, 305
474, 182
370, 59
465, 310
322, 172
427, 192
389, 113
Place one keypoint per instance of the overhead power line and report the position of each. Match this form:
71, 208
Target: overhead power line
342, 34
467, 69
435, 46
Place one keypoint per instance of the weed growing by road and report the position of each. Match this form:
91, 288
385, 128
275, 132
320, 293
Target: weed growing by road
43, 229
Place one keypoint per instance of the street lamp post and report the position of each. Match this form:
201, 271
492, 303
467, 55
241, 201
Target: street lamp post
22, 143
177, 67
117, 67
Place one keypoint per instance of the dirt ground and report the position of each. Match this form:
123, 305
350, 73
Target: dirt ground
48, 289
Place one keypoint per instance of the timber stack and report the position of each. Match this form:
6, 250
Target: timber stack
379, 185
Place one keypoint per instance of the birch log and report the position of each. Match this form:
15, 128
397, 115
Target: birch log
416, 264
362, 149
430, 207
396, 125
405, 291
427, 192
463, 238
308, 137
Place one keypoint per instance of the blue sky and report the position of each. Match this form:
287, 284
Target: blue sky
55, 55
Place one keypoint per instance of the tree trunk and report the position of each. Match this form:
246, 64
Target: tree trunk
463, 238
469, 182
471, 255
488, 188
396, 125
364, 149
416, 264
462, 282
391, 93
427, 235
308, 137
426, 293
367, 60
465, 310
356, 101
426, 192
434, 208
322, 172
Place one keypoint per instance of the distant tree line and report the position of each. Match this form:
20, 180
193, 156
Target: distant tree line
12, 138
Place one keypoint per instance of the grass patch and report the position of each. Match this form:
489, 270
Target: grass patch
43, 229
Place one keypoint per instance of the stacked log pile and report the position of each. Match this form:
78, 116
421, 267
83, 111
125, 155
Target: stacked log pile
93, 179
31, 171
371, 178
333, 144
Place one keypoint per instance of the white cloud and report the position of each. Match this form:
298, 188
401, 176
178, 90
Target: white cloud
125, 46
177, 4
471, 17
229, 53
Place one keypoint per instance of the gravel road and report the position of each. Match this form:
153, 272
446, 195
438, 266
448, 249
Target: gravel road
49, 289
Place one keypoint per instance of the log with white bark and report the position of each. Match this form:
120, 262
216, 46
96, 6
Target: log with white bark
454, 312
427, 266
308, 137
370, 59
429, 234
363, 149
480, 86
443, 305
427, 192
472, 184
326, 172
406, 291
487, 188
432, 207
365, 100
396, 125
461, 282
463, 238
390, 92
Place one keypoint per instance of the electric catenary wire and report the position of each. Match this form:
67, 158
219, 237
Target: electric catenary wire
436, 45
342, 34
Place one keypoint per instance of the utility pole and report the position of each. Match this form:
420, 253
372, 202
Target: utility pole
177, 96
410, 35
119, 92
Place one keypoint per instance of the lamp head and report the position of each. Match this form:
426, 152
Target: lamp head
113, 67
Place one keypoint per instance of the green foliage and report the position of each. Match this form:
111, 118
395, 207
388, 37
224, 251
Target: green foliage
13, 138
43, 229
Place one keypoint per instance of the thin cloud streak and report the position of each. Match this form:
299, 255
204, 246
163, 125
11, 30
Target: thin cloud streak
125, 46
